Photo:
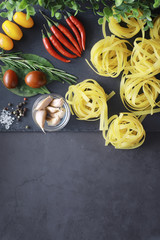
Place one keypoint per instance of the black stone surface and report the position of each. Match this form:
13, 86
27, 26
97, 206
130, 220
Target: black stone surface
68, 186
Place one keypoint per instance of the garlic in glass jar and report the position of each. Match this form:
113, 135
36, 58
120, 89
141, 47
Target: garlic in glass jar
50, 110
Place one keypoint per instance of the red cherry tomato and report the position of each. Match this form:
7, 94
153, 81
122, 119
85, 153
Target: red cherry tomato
35, 79
10, 79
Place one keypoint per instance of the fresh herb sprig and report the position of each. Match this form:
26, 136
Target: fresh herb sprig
131, 8
22, 64
29, 61
101, 7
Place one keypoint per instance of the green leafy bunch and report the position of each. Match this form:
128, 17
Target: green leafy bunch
9, 6
131, 8
122, 8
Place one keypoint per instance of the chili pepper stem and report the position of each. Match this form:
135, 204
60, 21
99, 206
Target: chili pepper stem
43, 35
48, 19
69, 15
55, 23
48, 33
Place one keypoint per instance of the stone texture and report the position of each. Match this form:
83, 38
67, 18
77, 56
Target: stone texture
69, 186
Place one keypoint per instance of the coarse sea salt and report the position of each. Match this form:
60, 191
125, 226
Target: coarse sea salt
6, 119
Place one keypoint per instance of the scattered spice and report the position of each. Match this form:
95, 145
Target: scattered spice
9, 114
6, 119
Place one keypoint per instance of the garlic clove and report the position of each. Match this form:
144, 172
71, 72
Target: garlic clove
52, 109
57, 102
48, 118
53, 121
51, 115
60, 113
44, 103
40, 117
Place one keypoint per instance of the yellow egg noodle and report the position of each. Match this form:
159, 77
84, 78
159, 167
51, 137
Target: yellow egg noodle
145, 58
155, 31
125, 131
133, 26
140, 94
139, 87
109, 56
88, 101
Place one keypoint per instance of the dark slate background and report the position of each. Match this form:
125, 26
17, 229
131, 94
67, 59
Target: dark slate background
68, 185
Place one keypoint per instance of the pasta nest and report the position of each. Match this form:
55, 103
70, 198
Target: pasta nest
88, 101
140, 94
125, 131
133, 26
109, 56
155, 31
145, 58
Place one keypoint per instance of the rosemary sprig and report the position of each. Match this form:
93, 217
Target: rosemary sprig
17, 60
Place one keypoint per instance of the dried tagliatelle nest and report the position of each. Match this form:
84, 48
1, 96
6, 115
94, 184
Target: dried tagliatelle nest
140, 88
109, 56
140, 84
133, 26
155, 31
88, 101
145, 58
125, 131
140, 94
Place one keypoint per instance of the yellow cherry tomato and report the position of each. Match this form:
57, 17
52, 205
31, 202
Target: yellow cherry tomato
5, 42
12, 30
20, 19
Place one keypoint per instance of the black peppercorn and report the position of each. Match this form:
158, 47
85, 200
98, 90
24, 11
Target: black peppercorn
20, 105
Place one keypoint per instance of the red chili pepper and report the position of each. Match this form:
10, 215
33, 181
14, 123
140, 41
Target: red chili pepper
74, 29
67, 33
50, 50
62, 39
58, 46
80, 27
60, 36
